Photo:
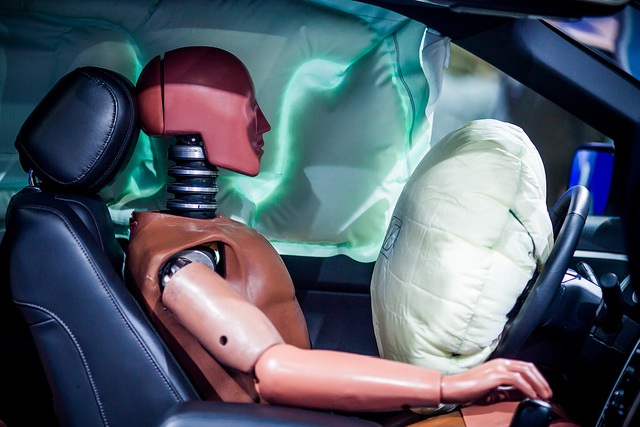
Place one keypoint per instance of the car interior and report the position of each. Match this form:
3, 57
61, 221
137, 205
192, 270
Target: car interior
76, 344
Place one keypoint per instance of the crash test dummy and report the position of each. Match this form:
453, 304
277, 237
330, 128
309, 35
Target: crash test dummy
220, 294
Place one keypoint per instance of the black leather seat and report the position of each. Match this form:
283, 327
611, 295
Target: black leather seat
104, 361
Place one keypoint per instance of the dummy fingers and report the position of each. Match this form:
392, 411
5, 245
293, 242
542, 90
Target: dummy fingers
517, 380
526, 377
539, 383
478, 382
472, 385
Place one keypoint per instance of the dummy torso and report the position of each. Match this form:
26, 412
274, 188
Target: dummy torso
248, 263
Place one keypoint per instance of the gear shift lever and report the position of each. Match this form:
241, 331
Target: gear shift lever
532, 413
612, 297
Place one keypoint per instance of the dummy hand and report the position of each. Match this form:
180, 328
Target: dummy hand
494, 381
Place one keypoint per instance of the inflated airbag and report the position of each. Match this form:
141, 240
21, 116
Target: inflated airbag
468, 232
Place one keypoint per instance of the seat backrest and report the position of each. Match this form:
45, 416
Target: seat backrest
105, 363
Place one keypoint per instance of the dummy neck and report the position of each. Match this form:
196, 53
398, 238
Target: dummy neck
195, 184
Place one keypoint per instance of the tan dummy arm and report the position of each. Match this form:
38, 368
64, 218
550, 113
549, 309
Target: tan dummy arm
349, 382
240, 336
325, 379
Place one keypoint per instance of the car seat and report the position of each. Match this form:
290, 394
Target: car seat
65, 265
104, 361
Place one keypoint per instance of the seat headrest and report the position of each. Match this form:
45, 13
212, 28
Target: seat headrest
82, 132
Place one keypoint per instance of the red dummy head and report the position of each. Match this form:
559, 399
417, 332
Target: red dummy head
206, 91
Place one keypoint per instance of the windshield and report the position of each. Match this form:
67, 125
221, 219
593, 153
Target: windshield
616, 37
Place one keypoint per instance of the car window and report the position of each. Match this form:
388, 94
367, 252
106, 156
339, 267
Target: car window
473, 89
616, 37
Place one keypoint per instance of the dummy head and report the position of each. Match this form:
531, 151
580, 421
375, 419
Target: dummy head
206, 91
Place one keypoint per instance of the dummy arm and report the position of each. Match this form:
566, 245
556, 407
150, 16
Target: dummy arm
240, 336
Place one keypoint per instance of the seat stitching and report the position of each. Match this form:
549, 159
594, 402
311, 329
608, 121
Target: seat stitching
93, 219
78, 348
106, 289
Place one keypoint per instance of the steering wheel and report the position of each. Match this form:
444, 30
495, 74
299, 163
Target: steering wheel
568, 217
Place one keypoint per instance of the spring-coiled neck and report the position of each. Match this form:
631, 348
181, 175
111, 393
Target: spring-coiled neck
195, 186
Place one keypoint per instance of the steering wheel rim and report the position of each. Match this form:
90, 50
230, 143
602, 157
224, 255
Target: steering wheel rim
568, 217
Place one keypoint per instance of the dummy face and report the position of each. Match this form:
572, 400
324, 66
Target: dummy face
261, 127
257, 124
207, 91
